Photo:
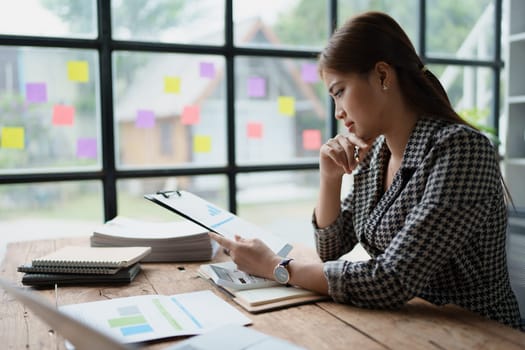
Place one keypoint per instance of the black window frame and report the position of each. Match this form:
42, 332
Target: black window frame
105, 45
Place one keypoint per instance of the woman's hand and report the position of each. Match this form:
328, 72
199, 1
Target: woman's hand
250, 255
341, 154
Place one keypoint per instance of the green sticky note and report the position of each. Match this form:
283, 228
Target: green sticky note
12, 137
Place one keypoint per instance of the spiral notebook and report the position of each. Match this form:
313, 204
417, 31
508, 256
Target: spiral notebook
80, 257
48, 280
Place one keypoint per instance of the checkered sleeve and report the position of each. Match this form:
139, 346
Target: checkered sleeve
338, 238
457, 178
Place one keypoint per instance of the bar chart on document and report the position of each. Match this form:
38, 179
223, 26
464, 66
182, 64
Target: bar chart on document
147, 317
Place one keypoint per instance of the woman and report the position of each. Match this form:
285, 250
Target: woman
427, 203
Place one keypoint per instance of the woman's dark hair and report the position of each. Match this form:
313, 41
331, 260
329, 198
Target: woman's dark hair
372, 37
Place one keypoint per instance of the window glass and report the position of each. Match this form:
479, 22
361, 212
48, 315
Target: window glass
470, 90
173, 21
52, 18
462, 29
45, 210
281, 109
284, 24
403, 11
131, 201
281, 202
170, 109
49, 109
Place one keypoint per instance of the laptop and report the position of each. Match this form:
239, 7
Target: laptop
80, 335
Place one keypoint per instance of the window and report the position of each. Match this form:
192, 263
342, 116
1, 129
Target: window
104, 101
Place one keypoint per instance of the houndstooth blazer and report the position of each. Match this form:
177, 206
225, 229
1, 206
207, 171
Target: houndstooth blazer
437, 233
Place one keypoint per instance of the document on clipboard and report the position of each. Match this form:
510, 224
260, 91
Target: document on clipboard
213, 218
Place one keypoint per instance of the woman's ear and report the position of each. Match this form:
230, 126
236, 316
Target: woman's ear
383, 72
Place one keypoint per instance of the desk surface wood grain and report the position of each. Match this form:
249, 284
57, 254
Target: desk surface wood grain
323, 325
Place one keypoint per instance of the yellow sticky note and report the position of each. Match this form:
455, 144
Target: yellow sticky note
12, 137
171, 85
78, 71
286, 105
202, 144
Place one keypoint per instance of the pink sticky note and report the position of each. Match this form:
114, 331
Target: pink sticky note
311, 139
145, 119
36, 92
87, 148
309, 73
63, 115
207, 70
256, 87
254, 130
190, 115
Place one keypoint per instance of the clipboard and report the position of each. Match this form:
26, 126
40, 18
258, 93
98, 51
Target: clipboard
215, 219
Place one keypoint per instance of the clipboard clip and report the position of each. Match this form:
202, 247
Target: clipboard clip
169, 193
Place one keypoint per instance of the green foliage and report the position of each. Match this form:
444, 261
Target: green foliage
303, 25
450, 21
78, 14
149, 16
479, 119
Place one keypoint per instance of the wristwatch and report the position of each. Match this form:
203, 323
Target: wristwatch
281, 273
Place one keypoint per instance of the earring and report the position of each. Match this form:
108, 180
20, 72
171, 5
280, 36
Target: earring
384, 87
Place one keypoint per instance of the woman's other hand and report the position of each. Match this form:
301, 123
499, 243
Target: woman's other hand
250, 255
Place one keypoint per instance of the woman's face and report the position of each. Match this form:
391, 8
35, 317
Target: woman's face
359, 103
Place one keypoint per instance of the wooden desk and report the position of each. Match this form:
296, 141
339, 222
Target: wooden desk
324, 325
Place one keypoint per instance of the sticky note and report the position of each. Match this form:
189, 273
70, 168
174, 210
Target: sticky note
12, 137
311, 139
36, 92
63, 115
145, 119
256, 87
201, 144
172, 85
254, 130
309, 73
87, 148
190, 115
207, 70
286, 105
78, 71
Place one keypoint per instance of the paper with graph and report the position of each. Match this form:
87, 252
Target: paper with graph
147, 317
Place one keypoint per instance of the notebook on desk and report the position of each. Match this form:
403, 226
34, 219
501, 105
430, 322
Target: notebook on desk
79, 257
48, 280
253, 293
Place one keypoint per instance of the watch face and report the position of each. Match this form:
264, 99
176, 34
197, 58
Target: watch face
281, 274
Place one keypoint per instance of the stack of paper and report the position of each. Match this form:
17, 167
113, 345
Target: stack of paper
169, 241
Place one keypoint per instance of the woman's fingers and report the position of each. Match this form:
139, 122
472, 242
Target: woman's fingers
223, 241
346, 151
